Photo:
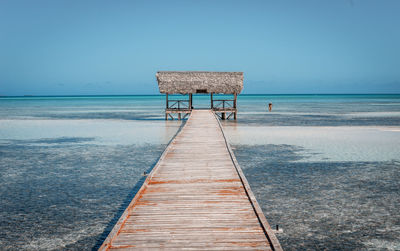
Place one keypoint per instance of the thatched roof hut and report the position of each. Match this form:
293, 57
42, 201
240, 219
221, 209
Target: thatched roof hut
188, 82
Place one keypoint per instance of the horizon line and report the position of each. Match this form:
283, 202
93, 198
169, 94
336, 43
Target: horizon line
160, 94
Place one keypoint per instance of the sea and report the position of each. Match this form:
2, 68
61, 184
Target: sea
324, 168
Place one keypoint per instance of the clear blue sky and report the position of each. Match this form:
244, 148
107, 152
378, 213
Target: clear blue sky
58, 47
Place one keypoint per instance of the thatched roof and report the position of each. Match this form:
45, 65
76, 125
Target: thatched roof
184, 82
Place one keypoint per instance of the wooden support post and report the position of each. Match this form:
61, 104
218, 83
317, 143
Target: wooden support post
234, 106
190, 101
166, 106
223, 116
179, 116
212, 101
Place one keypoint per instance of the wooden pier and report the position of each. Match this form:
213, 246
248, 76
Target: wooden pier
195, 198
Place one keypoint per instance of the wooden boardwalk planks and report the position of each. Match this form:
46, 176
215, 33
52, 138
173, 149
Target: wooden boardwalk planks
196, 198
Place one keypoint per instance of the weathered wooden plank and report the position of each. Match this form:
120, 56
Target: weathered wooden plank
195, 198
197, 246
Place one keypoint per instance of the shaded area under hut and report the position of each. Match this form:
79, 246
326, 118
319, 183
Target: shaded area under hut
200, 82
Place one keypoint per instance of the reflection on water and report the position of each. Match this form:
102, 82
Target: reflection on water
325, 205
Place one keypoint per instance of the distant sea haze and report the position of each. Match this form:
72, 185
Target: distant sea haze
326, 168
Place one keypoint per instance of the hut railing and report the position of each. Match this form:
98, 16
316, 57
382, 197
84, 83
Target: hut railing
224, 108
178, 107
178, 104
223, 103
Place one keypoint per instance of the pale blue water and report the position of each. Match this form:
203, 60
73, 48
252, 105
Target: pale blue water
70, 165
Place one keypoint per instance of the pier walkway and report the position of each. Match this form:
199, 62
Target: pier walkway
196, 198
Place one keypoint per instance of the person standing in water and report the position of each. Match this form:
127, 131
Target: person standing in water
270, 107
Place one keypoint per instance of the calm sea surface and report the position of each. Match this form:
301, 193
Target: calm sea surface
326, 168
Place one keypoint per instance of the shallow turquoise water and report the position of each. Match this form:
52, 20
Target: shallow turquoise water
288, 110
323, 165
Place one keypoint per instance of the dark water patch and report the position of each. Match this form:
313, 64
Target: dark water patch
60, 140
66, 197
272, 119
325, 205
320, 106
104, 115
